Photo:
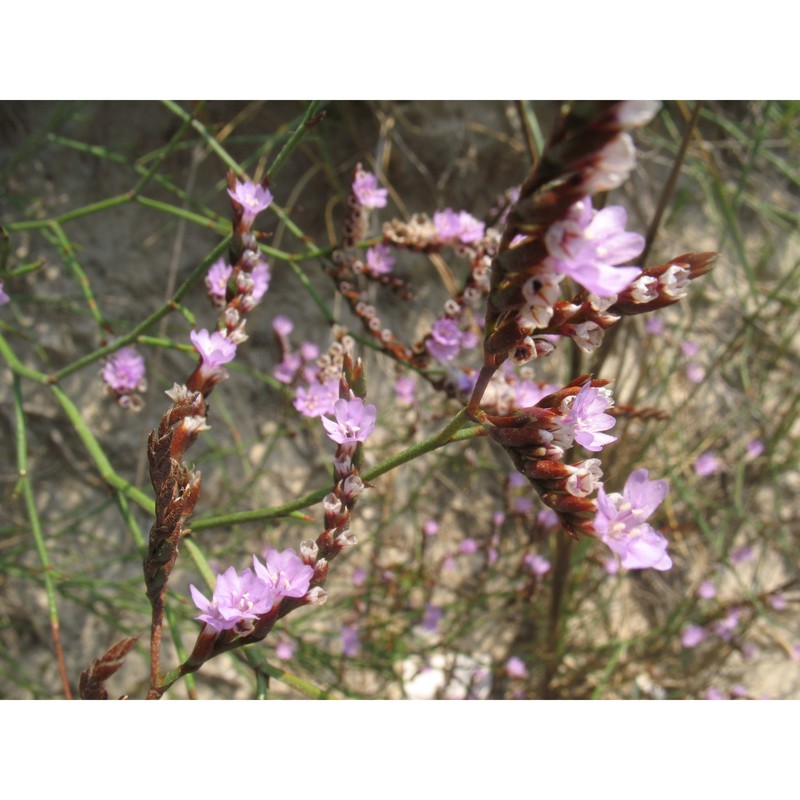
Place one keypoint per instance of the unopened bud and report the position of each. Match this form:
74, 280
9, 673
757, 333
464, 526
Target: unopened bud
316, 596
309, 551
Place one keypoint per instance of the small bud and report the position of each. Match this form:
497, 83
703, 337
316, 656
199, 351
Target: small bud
316, 597
309, 551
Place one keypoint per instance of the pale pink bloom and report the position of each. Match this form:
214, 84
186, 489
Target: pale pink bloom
737, 690
365, 188
777, 601
285, 650
689, 348
755, 447
695, 373
468, 546
527, 393
446, 339
707, 590
282, 325
216, 280
498, 518
515, 668
261, 277
706, 464
547, 517
4, 298
285, 573
237, 597
611, 565
448, 564
380, 260
309, 351
537, 564
359, 576
430, 527
214, 349
252, 197
318, 398
522, 505
124, 371
354, 421
432, 618
287, 369
584, 416
405, 388
724, 627
517, 480
714, 694
693, 635
654, 325
457, 226
588, 245
621, 524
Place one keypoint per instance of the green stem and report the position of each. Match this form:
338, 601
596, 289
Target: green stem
451, 433
36, 530
16, 366
84, 211
302, 129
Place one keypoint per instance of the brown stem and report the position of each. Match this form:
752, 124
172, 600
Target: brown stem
62, 667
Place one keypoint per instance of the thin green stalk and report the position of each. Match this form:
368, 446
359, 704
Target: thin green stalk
83, 211
182, 213
307, 123
36, 530
139, 329
16, 366
451, 433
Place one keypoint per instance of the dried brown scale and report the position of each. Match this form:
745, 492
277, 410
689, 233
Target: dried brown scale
92, 680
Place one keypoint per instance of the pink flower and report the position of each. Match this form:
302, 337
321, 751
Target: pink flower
282, 325
689, 348
354, 421
695, 373
252, 197
359, 576
707, 590
777, 601
714, 694
654, 325
261, 277
318, 398
405, 389
620, 522
706, 464
432, 618
214, 349
4, 298
351, 645
379, 260
365, 188
285, 650
547, 518
453, 227
468, 547
236, 598
693, 635
742, 554
585, 416
446, 339
430, 527
588, 245
285, 573
217, 280
537, 564
515, 668
124, 371
287, 369
755, 447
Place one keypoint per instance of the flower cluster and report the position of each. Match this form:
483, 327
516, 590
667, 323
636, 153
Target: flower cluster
355, 421
215, 349
457, 227
241, 598
365, 188
4, 298
447, 339
124, 375
252, 198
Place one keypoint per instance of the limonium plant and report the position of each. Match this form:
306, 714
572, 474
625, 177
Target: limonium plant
553, 269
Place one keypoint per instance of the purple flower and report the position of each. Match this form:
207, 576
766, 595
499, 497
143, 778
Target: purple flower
742, 554
432, 618
217, 280
379, 260
354, 421
261, 277
359, 576
430, 527
286, 574
282, 325
287, 369
693, 635
468, 547
537, 564
237, 597
706, 464
461, 226
253, 199
214, 349
714, 694
689, 348
447, 225
528, 393
724, 627
755, 447
777, 601
707, 590
611, 565
318, 398
351, 645
365, 188
4, 298
585, 416
588, 245
309, 351
695, 373
124, 371
654, 325
447, 339
405, 389
547, 518
515, 668
285, 649
620, 522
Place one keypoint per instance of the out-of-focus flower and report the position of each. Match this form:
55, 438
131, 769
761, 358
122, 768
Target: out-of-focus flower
124, 371
584, 416
432, 618
588, 245
237, 597
380, 260
261, 277
354, 421
611, 565
285, 573
695, 373
737, 690
742, 554
447, 339
654, 325
405, 389
537, 564
522, 505
4, 298
285, 649
457, 226
777, 601
282, 325
252, 197
755, 447
359, 576
693, 635
285, 372
689, 348
547, 517
318, 398
468, 547
365, 188
621, 524
351, 644
216, 280
515, 668
430, 527
707, 590
714, 694
706, 464
724, 627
